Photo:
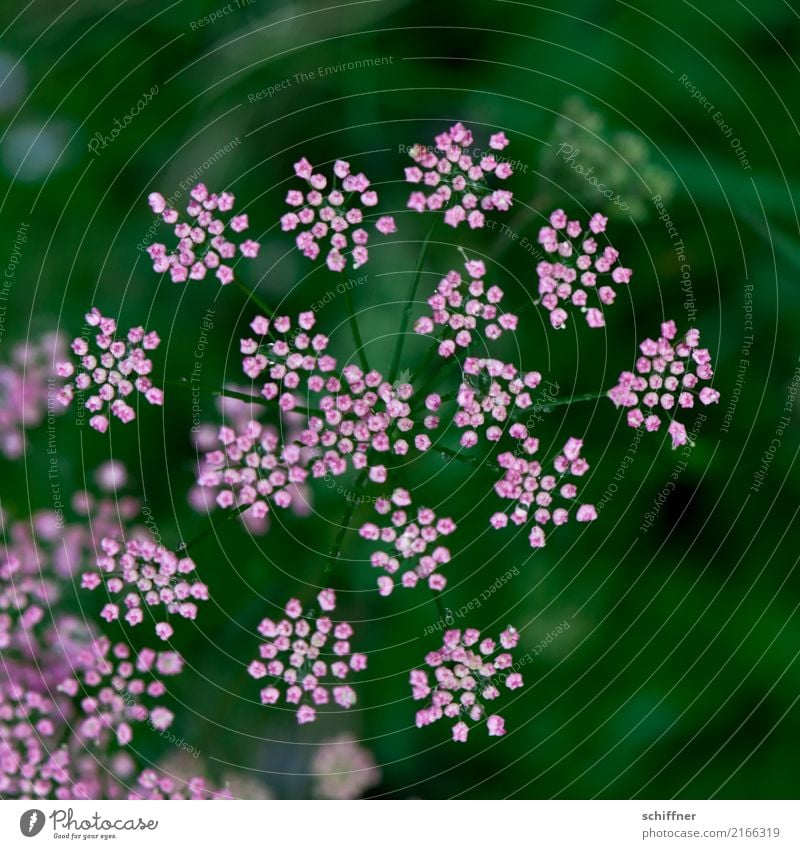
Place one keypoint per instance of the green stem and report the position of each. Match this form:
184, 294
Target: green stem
239, 396
252, 296
437, 597
412, 292
186, 546
336, 550
185, 382
574, 399
475, 462
351, 312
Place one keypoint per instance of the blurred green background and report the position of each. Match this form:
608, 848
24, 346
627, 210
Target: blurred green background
678, 674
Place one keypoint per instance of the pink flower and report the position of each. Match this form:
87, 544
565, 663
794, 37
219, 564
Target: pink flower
352, 411
666, 377
24, 390
332, 216
343, 769
536, 495
496, 725
115, 686
460, 732
31, 762
114, 370
457, 179
460, 311
149, 575
202, 247
306, 659
466, 671
164, 630
578, 260
491, 393
413, 540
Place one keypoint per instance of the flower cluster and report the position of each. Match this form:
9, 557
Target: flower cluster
24, 393
31, 765
253, 470
202, 245
525, 484
332, 214
667, 376
120, 367
411, 539
112, 683
147, 573
491, 390
153, 785
579, 258
460, 311
457, 178
294, 661
343, 769
354, 412
237, 415
468, 674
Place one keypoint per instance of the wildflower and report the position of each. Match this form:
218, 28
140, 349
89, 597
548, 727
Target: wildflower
295, 665
254, 470
329, 216
352, 413
114, 684
32, 764
458, 179
491, 391
202, 244
666, 380
149, 575
343, 769
412, 540
530, 489
154, 784
468, 673
24, 390
119, 367
460, 311
579, 257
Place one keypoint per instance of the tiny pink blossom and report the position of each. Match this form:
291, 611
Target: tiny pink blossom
458, 180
